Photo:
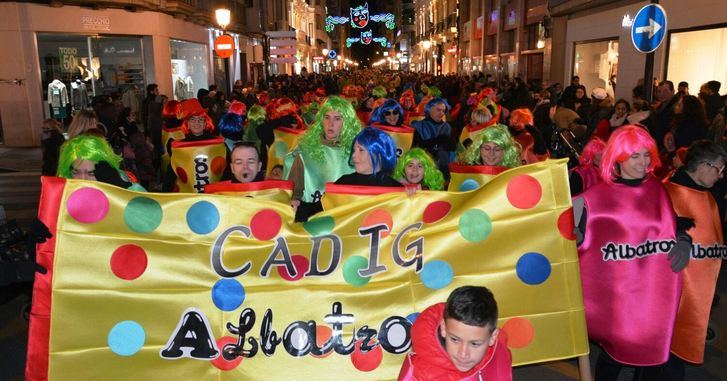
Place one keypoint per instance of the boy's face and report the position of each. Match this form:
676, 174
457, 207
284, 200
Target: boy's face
465, 344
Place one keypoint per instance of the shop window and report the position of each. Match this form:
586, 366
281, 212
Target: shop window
698, 57
189, 68
596, 63
75, 68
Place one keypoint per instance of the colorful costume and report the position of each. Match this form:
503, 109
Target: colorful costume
428, 359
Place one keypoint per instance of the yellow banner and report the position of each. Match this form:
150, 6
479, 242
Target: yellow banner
212, 287
198, 163
285, 140
273, 190
465, 178
167, 135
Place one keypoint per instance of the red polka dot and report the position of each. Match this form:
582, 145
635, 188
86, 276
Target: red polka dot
368, 361
182, 174
265, 224
301, 266
377, 217
220, 362
520, 332
218, 165
323, 334
436, 211
524, 192
566, 224
128, 262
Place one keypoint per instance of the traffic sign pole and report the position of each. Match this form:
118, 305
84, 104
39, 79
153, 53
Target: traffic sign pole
649, 73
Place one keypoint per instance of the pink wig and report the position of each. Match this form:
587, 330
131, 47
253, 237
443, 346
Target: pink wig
623, 143
593, 148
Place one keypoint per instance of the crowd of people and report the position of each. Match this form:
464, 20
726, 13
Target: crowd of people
647, 178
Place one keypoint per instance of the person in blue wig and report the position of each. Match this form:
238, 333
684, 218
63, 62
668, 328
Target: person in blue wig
231, 124
373, 156
434, 134
388, 114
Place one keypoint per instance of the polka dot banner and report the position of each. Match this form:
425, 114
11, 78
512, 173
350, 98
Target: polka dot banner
566, 224
524, 192
300, 263
412, 317
126, 338
218, 165
533, 268
378, 217
323, 334
319, 226
435, 211
143, 215
265, 224
468, 185
128, 262
368, 361
181, 174
203, 217
475, 225
221, 362
436, 274
87, 205
350, 271
520, 332
228, 294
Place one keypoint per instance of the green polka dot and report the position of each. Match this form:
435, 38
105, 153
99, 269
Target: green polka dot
475, 225
350, 271
281, 149
319, 226
143, 214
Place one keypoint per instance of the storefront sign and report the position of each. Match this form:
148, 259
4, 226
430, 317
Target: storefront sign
224, 46
68, 59
96, 23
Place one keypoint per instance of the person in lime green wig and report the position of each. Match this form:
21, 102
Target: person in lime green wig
417, 167
494, 147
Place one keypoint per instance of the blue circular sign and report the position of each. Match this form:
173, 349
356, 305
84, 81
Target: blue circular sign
332, 54
649, 28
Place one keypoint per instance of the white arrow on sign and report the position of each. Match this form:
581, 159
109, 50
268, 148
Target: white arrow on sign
653, 28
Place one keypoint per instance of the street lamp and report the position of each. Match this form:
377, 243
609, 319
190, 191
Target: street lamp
426, 44
223, 17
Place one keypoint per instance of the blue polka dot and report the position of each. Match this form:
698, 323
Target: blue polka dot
203, 217
228, 294
126, 338
412, 317
468, 185
436, 274
533, 268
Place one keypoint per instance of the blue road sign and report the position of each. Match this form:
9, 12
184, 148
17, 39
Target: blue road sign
332, 54
649, 28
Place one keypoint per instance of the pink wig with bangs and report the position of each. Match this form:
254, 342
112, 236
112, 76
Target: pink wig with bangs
593, 148
623, 143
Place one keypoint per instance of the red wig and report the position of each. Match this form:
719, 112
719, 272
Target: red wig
172, 109
280, 107
190, 108
593, 148
520, 118
623, 143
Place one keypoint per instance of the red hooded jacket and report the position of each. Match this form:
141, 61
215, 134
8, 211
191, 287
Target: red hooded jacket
428, 359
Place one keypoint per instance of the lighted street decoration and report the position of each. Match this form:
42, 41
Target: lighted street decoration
366, 39
360, 19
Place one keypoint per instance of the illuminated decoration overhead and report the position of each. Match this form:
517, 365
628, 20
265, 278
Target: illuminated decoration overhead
366, 38
360, 18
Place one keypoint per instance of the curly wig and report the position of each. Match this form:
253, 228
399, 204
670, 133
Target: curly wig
85, 147
499, 135
310, 142
433, 177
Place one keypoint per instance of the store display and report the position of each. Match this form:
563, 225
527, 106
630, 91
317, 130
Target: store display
58, 99
79, 95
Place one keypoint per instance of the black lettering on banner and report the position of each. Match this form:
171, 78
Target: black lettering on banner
191, 339
293, 335
626, 252
337, 319
366, 334
281, 247
201, 175
216, 256
417, 245
375, 237
336, 245
395, 327
716, 251
315, 349
245, 324
268, 337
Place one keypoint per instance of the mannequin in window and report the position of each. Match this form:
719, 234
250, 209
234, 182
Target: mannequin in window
79, 94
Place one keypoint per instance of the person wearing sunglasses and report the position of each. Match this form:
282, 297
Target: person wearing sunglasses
390, 113
689, 189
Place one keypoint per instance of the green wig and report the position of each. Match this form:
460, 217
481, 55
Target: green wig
85, 147
434, 91
309, 112
255, 116
310, 142
379, 92
433, 178
499, 135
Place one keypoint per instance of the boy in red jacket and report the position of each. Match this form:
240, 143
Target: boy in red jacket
458, 341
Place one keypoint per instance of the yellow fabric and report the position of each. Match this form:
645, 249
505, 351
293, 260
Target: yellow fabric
197, 164
473, 177
89, 299
285, 140
167, 135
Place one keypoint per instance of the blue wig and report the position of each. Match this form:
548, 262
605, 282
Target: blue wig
380, 146
230, 126
435, 101
377, 116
